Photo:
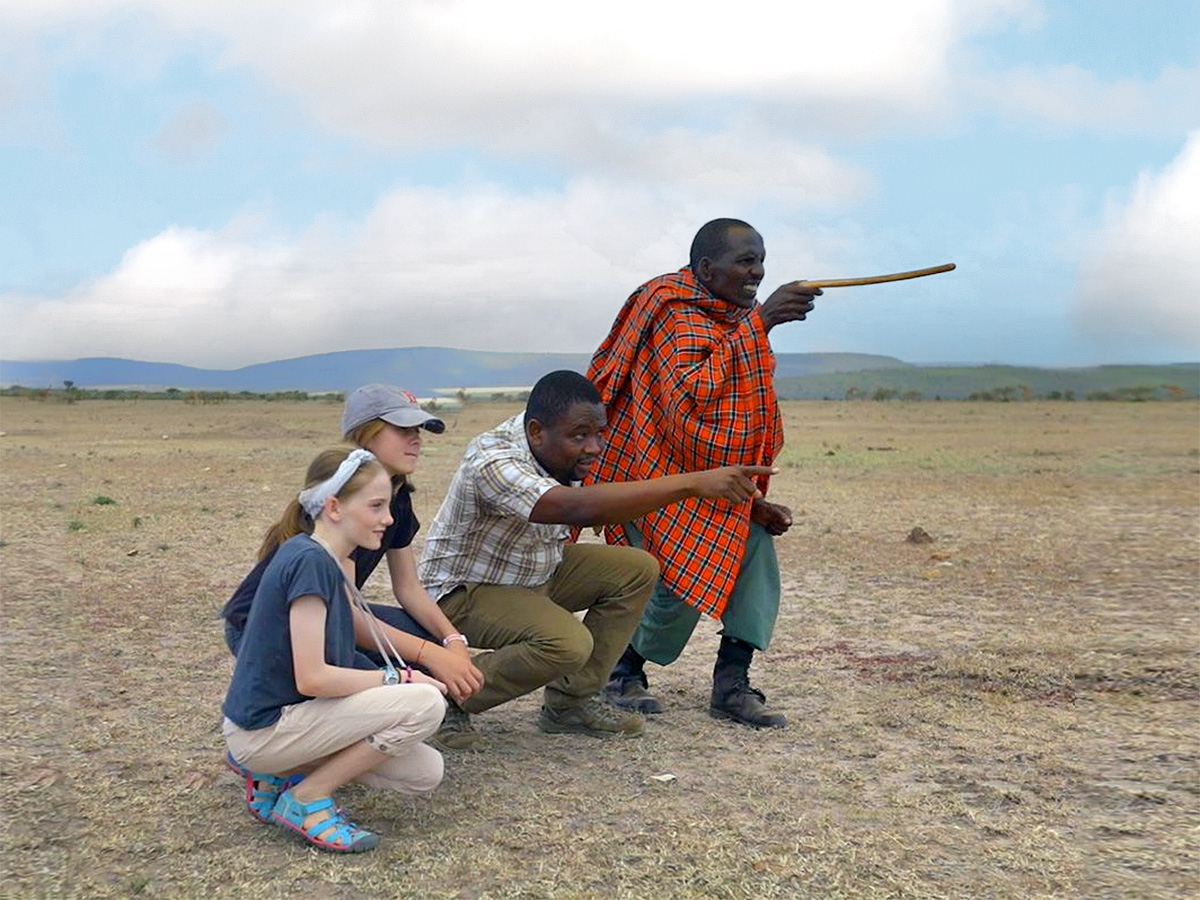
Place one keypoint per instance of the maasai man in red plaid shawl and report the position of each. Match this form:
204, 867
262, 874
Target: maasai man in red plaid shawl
687, 376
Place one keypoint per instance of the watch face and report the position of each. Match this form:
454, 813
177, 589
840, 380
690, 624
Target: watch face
391, 676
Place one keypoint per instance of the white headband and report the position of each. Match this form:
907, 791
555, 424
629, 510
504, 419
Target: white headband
313, 499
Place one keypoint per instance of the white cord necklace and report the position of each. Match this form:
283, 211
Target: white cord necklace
378, 635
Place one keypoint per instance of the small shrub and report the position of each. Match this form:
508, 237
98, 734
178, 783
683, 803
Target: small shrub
101, 500
75, 525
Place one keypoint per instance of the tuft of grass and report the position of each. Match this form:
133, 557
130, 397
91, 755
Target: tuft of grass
75, 525
102, 500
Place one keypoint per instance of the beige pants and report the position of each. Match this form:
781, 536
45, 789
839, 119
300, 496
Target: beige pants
394, 719
535, 639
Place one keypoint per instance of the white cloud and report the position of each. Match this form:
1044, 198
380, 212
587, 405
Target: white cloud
482, 268
1139, 280
1071, 96
522, 75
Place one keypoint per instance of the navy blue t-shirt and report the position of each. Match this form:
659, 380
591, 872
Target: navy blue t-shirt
398, 535
264, 679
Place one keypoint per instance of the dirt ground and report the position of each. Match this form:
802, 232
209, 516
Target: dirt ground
1008, 711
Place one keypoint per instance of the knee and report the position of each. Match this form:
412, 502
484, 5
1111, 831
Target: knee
431, 771
640, 568
566, 651
427, 709
645, 568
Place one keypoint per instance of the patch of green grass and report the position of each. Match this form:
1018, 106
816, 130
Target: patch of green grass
102, 500
75, 525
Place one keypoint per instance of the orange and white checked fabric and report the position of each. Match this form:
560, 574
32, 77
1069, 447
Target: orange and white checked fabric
688, 382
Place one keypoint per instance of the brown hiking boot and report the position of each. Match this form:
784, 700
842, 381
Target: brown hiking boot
594, 717
733, 698
457, 732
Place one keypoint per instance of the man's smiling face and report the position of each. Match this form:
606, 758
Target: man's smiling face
734, 275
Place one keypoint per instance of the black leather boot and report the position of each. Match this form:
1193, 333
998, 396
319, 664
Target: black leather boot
732, 696
627, 686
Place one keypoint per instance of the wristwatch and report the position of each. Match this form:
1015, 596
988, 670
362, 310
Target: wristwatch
391, 676
451, 638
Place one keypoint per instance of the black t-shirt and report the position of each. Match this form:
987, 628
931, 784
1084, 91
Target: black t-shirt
398, 535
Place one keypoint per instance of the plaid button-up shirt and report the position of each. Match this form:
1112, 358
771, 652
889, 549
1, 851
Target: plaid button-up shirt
482, 533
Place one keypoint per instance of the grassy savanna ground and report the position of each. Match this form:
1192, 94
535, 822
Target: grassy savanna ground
1010, 711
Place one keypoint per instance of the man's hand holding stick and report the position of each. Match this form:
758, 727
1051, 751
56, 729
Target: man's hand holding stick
793, 302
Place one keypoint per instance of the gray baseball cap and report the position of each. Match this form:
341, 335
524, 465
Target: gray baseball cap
392, 404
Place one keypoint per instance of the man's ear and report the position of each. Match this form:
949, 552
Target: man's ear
534, 432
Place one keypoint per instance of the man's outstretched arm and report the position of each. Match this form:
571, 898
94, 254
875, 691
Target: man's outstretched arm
619, 502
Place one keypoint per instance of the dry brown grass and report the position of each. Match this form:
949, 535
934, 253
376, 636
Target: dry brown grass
1010, 711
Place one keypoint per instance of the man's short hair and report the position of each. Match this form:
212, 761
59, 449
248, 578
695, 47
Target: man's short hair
710, 241
554, 395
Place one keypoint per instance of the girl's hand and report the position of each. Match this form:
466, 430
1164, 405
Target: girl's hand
419, 677
454, 668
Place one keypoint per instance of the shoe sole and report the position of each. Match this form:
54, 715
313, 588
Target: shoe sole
362, 846
456, 742
642, 707
730, 717
590, 732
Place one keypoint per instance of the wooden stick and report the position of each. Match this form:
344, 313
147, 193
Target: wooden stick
879, 279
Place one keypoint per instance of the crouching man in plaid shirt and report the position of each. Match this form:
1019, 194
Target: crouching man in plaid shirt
499, 561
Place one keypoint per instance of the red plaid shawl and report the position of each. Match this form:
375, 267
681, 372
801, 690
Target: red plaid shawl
688, 381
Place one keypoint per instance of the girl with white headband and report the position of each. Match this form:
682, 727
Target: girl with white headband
304, 700
390, 423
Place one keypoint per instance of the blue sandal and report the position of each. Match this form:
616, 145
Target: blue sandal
334, 833
260, 801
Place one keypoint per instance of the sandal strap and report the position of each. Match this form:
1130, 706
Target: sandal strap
294, 811
344, 834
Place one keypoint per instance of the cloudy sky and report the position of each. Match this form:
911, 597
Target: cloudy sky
230, 182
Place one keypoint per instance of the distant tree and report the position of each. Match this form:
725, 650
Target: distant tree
1026, 392
68, 384
1139, 394
884, 393
853, 393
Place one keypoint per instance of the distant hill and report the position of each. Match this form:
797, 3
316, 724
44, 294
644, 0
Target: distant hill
960, 382
426, 370
422, 370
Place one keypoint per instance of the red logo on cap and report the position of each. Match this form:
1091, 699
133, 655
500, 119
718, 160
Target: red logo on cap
412, 398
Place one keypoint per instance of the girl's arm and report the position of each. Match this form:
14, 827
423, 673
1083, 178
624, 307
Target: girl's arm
314, 676
449, 667
415, 600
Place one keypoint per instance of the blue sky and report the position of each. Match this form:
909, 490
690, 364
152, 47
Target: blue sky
227, 183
